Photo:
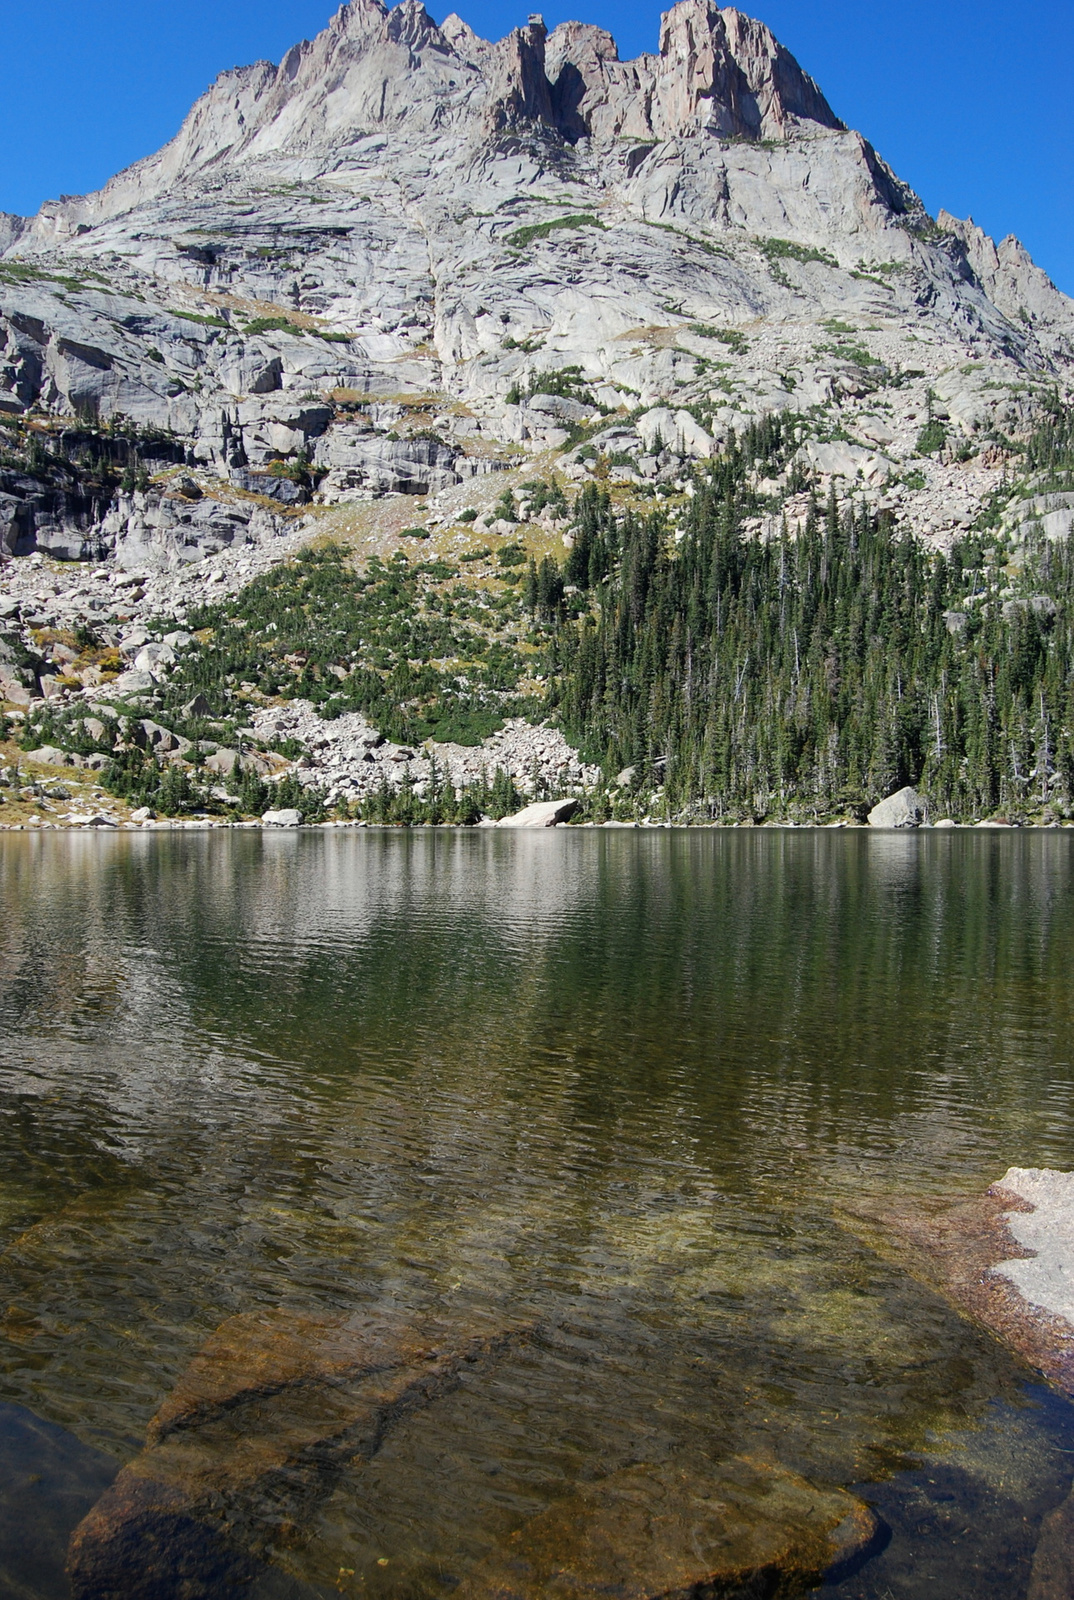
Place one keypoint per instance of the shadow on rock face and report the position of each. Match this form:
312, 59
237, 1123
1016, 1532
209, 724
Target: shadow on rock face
141, 1543
48, 1481
744, 1531
253, 1436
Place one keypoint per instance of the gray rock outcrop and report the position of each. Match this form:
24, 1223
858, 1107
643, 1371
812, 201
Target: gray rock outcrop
348, 759
1045, 1277
903, 809
542, 814
287, 817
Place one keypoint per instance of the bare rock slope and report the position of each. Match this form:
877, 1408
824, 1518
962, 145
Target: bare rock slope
404, 212
408, 259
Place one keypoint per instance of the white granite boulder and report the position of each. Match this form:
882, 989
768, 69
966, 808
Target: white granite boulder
903, 809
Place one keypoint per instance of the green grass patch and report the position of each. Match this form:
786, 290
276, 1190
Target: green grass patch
18, 272
787, 250
206, 322
706, 245
729, 336
272, 325
541, 230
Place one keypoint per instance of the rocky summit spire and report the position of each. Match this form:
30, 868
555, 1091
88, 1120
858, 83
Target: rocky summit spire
716, 70
528, 235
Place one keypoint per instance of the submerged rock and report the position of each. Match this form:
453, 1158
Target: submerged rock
256, 1431
1052, 1577
673, 1530
141, 1543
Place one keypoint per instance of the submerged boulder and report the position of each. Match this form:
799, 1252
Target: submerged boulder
670, 1530
1052, 1577
140, 1542
256, 1432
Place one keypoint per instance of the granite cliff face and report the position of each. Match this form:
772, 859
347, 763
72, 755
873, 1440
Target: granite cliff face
408, 266
395, 71
401, 211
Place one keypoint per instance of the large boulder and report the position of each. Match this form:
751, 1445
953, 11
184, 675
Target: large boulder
222, 762
542, 814
653, 1532
49, 756
845, 461
17, 680
903, 809
153, 658
288, 817
256, 1432
674, 430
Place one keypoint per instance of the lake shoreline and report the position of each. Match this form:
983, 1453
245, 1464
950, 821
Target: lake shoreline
219, 824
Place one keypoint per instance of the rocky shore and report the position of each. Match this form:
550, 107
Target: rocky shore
1005, 1258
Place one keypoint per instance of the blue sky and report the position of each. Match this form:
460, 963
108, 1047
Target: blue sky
969, 102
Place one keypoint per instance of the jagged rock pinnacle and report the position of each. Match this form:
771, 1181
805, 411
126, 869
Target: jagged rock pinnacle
521, 234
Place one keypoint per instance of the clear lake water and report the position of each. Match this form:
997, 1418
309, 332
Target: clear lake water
629, 1089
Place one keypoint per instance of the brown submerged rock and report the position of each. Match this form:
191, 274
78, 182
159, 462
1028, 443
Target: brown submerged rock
953, 1245
957, 1245
668, 1532
1052, 1577
263, 1353
255, 1432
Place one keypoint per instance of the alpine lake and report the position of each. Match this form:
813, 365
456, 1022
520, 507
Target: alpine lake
591, 1128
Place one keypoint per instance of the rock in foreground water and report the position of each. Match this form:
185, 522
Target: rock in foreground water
673, 1530
1052, 1577
254, 1435
1046, 1278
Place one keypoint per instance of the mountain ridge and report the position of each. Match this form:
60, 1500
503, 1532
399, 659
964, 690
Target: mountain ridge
405, 209
753, 86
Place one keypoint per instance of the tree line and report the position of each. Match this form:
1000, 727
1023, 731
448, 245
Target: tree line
813, 673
